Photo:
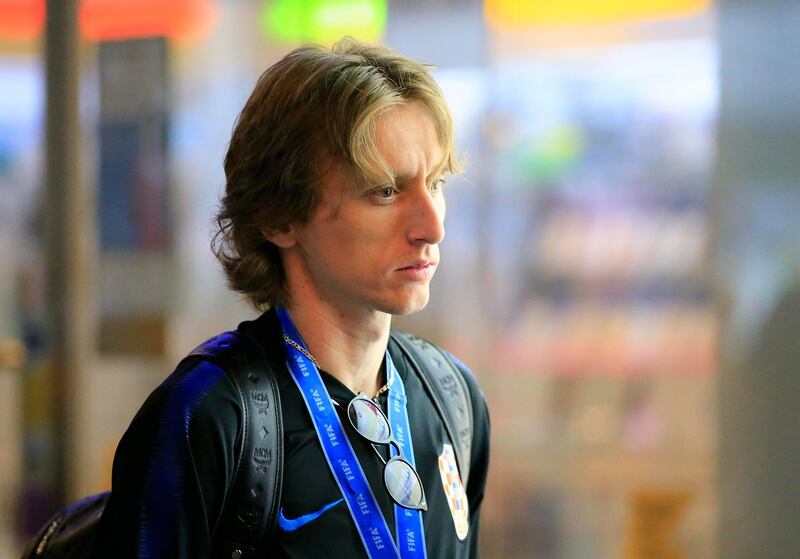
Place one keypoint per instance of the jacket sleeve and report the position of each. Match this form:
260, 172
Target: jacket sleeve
479, 465
172, 469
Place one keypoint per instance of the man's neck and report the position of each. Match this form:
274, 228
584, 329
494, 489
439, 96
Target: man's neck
351, 347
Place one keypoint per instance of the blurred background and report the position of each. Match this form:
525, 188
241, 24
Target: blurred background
621, 269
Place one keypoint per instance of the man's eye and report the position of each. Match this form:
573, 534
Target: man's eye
385, 192
437, 185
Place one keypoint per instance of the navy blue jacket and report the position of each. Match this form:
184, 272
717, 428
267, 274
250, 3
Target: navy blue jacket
175, 464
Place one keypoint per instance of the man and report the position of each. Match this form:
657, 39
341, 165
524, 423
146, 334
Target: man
331, 220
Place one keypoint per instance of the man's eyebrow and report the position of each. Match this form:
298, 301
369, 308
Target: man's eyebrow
364, 182
439, 170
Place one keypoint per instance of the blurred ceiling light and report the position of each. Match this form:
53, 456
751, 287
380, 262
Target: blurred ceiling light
323, 21
110, 20
21, 19
504, 14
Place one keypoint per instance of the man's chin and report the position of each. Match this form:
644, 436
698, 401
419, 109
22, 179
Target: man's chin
414, 303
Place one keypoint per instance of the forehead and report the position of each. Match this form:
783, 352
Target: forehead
407, 140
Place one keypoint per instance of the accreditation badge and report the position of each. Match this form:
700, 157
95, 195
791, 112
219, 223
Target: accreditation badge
454, 491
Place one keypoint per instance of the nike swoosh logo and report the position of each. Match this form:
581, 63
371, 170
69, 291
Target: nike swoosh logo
292, 524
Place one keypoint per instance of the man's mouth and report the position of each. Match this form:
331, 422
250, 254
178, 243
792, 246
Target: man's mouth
419, 270
419, 265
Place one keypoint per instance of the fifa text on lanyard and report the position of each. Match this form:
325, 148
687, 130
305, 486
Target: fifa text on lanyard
341, 458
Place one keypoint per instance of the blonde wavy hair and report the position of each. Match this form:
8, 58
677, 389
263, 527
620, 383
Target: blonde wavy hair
313, 104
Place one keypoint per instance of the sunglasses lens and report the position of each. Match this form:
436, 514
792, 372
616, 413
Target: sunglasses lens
369, 420
403, 483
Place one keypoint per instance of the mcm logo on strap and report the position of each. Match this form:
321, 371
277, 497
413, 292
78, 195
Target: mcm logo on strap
262, 459
449, 384
260, 400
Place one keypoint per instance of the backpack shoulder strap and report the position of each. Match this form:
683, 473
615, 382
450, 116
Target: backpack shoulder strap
251, 505
448, 391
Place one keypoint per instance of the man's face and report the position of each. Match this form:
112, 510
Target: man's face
375, 246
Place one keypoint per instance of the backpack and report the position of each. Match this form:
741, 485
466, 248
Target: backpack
248, 519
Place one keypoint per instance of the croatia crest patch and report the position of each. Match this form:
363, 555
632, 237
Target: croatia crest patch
454, 491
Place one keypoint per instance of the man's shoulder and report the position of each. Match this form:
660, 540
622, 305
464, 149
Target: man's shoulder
201, 369
241, 348
235, 355
430, 353
204, 377
196, 386
207, 391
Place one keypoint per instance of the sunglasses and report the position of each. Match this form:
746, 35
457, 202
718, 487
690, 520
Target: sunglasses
399, 477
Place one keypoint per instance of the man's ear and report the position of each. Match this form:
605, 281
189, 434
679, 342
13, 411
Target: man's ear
282, 238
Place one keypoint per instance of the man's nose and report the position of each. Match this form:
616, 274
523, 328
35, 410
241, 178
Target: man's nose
427, 217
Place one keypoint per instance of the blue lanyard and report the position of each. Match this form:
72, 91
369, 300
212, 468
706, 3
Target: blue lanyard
410, 532
341, 458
